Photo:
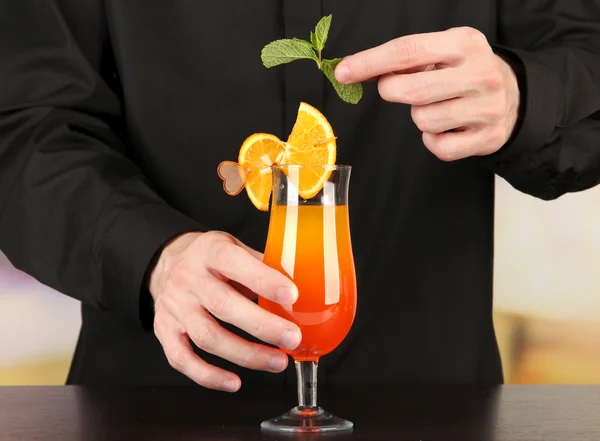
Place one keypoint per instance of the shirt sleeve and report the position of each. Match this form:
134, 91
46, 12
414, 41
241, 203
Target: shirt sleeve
75, 212
555, 47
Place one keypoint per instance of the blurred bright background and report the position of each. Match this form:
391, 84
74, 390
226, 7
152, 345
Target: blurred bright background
547, 286
547, 299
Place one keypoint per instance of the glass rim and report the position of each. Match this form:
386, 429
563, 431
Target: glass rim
328, 167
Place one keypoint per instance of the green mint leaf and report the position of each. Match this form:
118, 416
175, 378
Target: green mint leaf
322, 32
302, 42
350, 93
313, 40
287, 50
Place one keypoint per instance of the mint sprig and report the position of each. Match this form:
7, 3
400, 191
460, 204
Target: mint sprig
290, 49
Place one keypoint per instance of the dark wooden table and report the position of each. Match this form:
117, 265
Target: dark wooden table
508, 413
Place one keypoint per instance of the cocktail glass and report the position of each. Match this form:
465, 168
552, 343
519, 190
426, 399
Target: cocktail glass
309, 241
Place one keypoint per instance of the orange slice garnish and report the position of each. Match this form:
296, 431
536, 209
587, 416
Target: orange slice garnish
312, 142
257, 154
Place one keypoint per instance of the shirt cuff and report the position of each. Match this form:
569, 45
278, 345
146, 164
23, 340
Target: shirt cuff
129, 248
540, 92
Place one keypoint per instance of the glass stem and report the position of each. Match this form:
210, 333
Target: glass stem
306, 374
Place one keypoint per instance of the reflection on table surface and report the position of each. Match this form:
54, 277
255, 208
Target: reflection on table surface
505, 413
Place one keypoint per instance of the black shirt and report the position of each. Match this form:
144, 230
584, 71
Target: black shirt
115, 114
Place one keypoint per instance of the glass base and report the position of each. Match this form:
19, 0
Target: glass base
306, 419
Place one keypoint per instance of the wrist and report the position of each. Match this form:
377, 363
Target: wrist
164, 260
512, 97
516, 88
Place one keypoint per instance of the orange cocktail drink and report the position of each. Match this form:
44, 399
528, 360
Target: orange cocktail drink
311, 245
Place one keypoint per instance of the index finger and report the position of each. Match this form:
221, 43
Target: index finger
237, 264
402, 53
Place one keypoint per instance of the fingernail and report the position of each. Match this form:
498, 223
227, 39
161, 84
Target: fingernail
231, 385
277, 364
342, 73
290, 339
287, 295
